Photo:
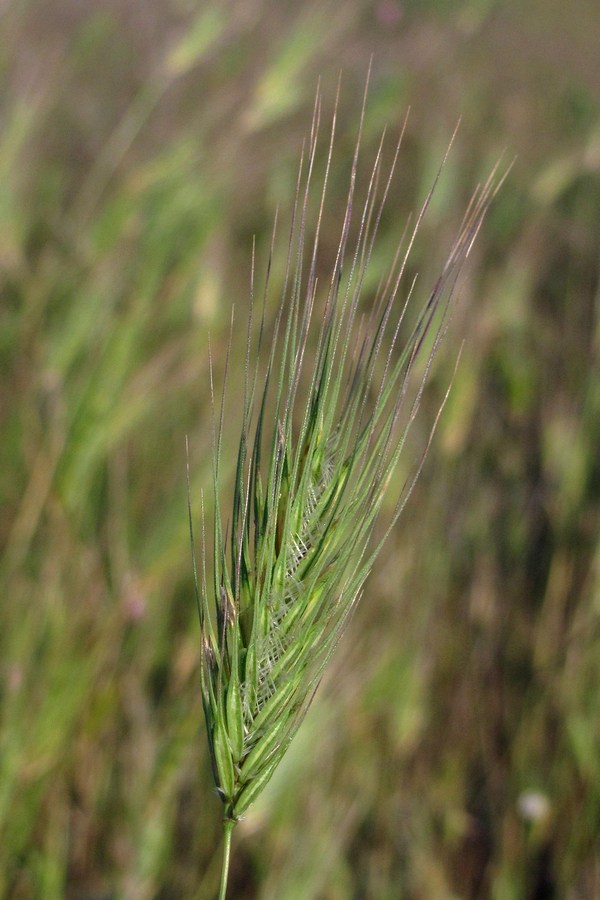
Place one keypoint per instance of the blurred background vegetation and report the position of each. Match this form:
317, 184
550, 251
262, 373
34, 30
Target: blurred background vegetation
454, 748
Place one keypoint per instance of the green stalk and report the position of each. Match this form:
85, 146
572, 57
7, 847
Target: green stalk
227, 832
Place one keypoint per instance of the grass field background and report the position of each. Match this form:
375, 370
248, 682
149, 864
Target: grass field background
453, 749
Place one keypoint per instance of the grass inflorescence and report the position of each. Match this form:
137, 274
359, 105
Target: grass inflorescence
322, 429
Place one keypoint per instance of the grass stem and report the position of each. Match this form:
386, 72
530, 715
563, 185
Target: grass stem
227, 832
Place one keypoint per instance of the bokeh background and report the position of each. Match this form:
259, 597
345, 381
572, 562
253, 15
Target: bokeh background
454, 748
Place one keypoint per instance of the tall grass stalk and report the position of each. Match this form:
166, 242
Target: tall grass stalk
321, 432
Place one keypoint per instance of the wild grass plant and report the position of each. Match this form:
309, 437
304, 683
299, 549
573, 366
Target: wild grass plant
141, 149
330, 393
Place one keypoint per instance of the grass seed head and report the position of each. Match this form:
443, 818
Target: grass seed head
320, 438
